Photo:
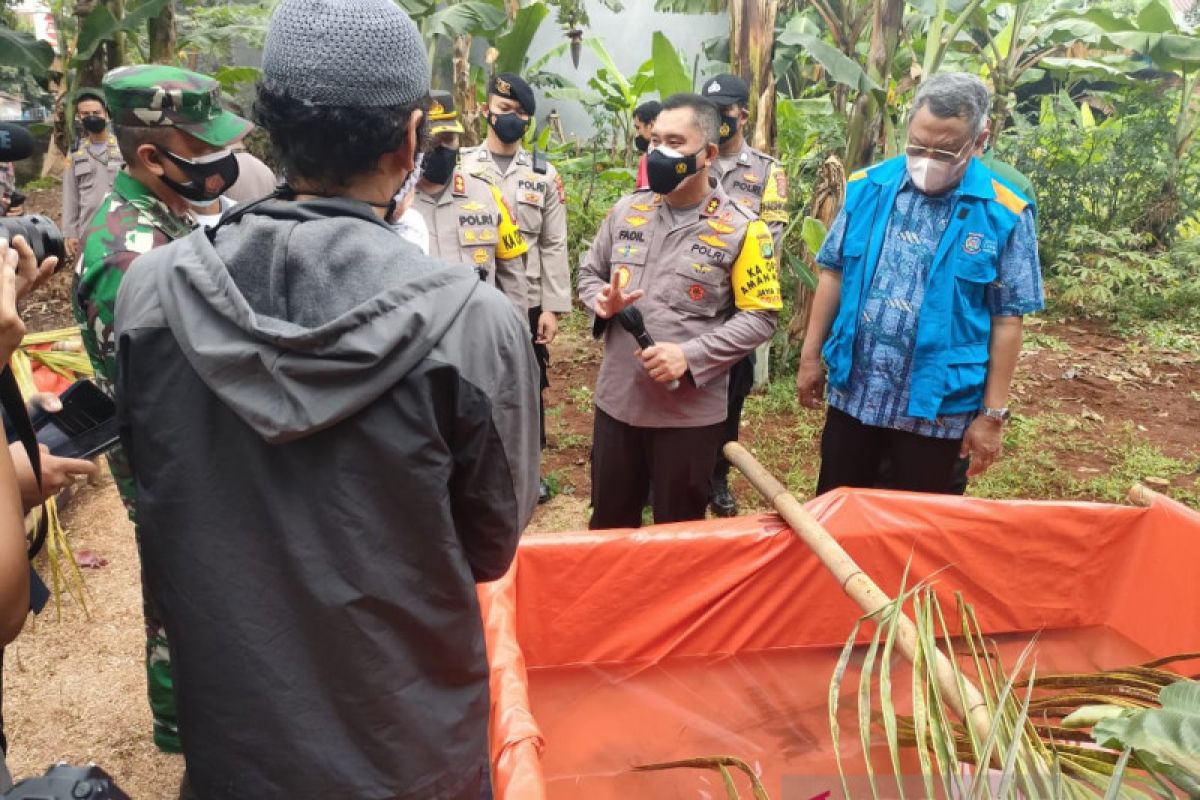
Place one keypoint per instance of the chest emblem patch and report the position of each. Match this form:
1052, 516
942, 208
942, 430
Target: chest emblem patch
973, 243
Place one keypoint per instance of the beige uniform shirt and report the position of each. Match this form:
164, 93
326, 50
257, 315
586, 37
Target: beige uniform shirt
758, 183
540, 205
255, 179
470, 223
86, 182
711, 287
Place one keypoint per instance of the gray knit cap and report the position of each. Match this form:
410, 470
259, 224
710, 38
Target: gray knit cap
345, 53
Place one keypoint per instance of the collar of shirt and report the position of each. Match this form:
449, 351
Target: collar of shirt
155, 211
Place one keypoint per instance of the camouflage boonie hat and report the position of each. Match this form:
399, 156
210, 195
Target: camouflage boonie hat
153, 95
443, 116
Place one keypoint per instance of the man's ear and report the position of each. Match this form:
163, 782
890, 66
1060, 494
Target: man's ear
413, 145
711, 151
744, 114
151, 159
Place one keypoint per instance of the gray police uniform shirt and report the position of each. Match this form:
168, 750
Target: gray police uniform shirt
86, 182
758, 183
539, 201
712, 287
468, 223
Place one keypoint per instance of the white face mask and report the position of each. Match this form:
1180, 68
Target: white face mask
932, 176
411, 228
411, 181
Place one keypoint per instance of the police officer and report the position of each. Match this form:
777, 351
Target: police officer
91, 169
533, 188
757, 182
467, 217
702, 270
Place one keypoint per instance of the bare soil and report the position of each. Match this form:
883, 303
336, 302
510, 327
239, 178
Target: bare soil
75, 686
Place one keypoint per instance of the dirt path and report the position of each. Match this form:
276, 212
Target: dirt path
75, 689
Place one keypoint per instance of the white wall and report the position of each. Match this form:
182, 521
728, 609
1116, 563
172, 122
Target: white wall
627, 36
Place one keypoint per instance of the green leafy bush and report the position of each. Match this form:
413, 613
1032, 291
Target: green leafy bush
1106, 175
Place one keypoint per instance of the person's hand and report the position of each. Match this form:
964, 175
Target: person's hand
57, 474
810, 384
547, 328
982, 444
15, 211
72, 247
613, 299
29, 274
12, 329
665, 362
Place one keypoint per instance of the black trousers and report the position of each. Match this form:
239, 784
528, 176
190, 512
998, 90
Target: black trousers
628, 461
542, 352
852, 454
741, 381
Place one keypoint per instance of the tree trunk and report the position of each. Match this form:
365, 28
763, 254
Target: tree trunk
464, 91
161, 32
752, 42
866, 117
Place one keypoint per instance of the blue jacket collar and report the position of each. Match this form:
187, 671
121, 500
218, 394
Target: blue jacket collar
976, 182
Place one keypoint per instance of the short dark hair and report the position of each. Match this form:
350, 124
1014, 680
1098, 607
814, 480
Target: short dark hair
708, 118
90, 94
130, 138
647, 111
329, 145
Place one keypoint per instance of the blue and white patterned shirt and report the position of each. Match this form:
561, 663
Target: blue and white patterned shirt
878, 391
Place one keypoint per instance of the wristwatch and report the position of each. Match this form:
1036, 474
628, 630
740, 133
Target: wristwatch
998, 414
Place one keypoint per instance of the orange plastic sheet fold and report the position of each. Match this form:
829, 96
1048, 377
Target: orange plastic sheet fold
721, 598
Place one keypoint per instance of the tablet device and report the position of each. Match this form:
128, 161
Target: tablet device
86, 426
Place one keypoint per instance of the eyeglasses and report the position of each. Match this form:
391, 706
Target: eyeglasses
917, 151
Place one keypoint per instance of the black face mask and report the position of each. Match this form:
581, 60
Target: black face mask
508, 127
729, 128
439, 165
94, 124
208, 176
666, 170
641, 143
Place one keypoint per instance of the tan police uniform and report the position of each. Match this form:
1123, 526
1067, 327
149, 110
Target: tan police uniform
712, 287
470, 222
87, 181
540, 205
758, 183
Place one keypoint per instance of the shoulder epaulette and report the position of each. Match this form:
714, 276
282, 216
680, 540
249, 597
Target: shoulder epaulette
1008, 198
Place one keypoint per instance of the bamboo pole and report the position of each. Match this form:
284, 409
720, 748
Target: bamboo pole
1142, 495
856, 583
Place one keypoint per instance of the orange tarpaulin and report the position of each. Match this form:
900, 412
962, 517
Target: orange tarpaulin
610, 647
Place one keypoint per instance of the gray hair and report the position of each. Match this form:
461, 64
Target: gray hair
955, 94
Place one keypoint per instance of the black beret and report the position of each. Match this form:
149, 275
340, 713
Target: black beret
513, 87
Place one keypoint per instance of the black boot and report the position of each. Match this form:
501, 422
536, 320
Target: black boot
721, 499
543, 492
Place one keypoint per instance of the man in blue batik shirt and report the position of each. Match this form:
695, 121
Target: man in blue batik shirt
916, 324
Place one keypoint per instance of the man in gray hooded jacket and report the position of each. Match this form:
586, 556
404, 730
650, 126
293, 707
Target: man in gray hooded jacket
334, 437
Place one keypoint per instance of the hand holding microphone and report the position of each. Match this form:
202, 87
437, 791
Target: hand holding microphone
666, 363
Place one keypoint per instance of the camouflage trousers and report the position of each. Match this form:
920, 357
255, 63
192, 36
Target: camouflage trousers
159, 683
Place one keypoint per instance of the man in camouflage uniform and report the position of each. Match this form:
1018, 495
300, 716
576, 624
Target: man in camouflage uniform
531, 186
757, 183
173, 136
91, 169
467, 217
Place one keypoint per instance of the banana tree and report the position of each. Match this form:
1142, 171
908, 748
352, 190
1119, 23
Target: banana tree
1153, 32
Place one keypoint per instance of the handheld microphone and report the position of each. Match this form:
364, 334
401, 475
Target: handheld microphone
15, 142
631, 320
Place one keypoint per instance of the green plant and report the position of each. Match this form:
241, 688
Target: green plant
556, 484
1165, 740
581, 396
36, 184
1097, 273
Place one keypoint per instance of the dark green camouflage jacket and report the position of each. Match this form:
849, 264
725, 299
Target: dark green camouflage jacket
130, 222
